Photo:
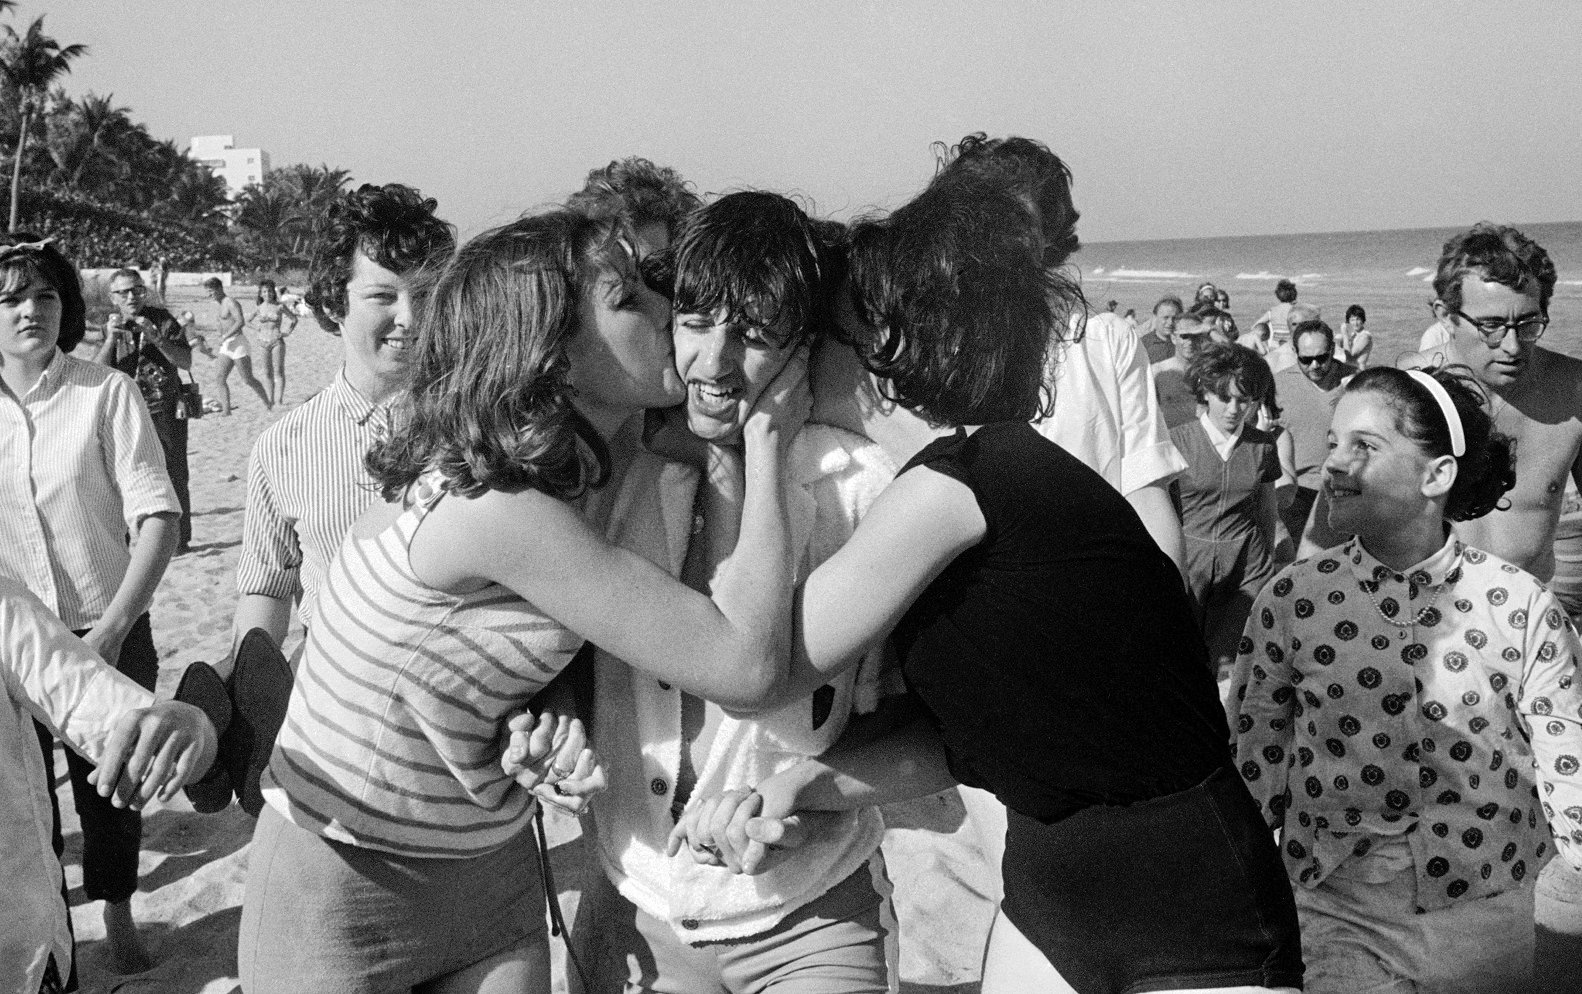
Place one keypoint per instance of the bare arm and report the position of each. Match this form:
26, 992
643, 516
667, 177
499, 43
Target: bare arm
730, 649
156, 541
1152, 504
272, 614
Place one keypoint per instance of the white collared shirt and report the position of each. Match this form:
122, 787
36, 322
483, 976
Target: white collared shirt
1223, 443
51, 676
80, 468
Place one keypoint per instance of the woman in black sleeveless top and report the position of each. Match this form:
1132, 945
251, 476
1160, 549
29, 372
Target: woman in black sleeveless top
1048, 639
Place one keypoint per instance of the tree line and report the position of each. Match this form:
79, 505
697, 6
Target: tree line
84, 171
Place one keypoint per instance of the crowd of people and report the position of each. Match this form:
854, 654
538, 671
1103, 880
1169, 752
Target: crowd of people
723, 525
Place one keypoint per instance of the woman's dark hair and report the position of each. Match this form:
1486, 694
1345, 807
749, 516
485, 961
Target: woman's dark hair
636, 192
1218, 364
392, 225
1285, 291
41, 260
1499, 254
259, 299
1487, 470
958, 308
760, 257
1027, 169
1356, 311
489, 402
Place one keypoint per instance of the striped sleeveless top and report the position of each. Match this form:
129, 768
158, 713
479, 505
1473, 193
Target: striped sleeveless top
392, 738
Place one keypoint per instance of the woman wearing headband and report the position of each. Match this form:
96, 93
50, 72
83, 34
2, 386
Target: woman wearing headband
1406, 706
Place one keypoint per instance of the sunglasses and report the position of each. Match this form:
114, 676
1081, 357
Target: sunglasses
1308, 360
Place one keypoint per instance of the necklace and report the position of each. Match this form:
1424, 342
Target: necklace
1415, 619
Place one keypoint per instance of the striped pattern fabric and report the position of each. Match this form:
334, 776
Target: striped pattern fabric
80, 467
305, 486
392, 738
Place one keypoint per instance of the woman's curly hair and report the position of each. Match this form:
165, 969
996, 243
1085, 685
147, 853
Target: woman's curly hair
490, 399
393, 225
959, 309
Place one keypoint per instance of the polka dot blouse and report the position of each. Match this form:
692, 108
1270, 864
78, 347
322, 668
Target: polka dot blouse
1432, 703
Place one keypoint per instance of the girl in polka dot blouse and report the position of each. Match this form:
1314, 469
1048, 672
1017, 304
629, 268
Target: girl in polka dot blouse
1406, 709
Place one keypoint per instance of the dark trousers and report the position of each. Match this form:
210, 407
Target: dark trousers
172, 432
111, 836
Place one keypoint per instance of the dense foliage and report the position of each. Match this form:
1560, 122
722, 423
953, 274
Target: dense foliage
113, 194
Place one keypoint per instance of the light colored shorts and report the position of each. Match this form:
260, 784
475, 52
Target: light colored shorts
235, 347
843, 942
1361, 933
323, 917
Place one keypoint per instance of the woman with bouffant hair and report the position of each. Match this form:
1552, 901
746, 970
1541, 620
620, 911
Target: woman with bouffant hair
517, 443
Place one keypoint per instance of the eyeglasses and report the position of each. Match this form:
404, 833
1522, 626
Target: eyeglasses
131, 291
1308, 360
1528, 329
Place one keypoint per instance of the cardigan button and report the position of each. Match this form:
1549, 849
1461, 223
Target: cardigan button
689, 923
657, 786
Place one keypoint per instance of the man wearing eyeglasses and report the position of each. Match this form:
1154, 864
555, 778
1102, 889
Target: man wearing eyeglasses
147, 343
1307, 392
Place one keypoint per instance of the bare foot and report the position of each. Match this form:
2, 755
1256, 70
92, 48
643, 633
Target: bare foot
127, 954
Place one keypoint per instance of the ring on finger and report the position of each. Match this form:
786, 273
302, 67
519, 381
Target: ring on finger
707, 847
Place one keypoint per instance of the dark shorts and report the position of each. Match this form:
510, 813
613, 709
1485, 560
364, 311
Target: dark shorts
1184, 891
323, 917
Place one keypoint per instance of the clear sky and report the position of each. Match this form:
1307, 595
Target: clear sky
1179, 119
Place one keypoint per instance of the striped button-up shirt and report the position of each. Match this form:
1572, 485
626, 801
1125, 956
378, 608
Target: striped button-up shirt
305, 486
80, 467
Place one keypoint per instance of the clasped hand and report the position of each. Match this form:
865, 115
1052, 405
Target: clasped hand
550, 756
742, 830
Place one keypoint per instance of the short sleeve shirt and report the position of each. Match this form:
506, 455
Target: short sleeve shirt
1438, 703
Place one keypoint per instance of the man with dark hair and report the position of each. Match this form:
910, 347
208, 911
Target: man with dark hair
1307, 394
754, 279
147, 343
306, 482
1177, 403
1277, 318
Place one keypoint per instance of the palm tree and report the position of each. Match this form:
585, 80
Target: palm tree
30, 62
270, 214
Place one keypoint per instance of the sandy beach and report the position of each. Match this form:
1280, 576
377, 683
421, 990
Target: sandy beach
194, 866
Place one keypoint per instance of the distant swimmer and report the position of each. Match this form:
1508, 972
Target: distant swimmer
1277, 318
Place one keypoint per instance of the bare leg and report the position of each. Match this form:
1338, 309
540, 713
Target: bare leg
244, 367
127, 954
222, 376
523, 969
277, 356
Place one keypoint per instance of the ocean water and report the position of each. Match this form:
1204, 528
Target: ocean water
1390, 273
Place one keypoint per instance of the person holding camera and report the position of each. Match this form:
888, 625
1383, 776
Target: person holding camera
147, 343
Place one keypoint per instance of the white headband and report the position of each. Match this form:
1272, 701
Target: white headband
1458, 438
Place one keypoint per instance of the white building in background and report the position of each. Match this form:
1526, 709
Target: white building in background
239, 167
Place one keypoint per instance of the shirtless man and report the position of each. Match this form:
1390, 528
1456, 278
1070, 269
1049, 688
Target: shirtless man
228, 319
1495, 284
